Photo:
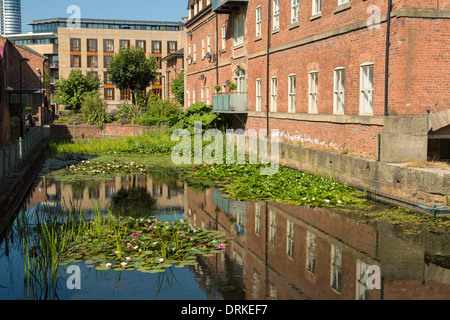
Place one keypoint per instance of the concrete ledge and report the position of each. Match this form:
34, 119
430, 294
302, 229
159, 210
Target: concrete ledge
394, 181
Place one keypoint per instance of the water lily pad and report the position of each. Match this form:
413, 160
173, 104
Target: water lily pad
99, 268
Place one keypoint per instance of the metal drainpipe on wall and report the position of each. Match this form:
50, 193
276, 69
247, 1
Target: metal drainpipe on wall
268, 64
386, 76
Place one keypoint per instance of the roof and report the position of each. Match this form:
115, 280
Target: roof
110, 21
179, 53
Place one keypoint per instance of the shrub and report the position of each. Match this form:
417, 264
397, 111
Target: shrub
93, 110
199, 111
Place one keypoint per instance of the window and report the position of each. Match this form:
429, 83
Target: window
171, 46
290, 239
239, 78
362, 291
141, 44
313, 85
92, 61
272, 227
291, 92
223, 37
258, 95
310, 252
336, 268
366, 99
342, 1
75, 61
207, 95
124, 44
339, 92
276, 14
294, 11
258, 21
107, 61
273, 94
189, 54
193, 96
208, 44
92, 45
75, 45
108, 45
195, 52
317, 6
257, 218
125, 94
109, 93
202, 94
188, 97
239, 29
106, 78
203, 47
156, 46
158, 62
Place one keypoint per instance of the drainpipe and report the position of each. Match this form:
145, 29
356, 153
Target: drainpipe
217, 48
386, 76
268, 64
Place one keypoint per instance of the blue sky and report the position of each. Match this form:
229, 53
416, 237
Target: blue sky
156, 10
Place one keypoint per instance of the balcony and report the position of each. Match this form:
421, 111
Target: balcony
226, 6
230, 102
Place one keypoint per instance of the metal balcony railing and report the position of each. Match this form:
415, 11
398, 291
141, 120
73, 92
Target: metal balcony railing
230, 102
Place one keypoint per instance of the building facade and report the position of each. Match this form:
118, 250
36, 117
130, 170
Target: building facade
10, 17
343, 74
91, 46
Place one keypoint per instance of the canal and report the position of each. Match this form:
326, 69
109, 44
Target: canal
275, 251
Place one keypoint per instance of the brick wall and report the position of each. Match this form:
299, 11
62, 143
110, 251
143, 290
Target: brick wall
84, 131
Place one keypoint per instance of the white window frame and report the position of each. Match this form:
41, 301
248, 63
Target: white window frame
207, 96
272, 227
202, 94
224, 43
336, 269
292, 84
188, 97
276, 15
273, 94
203, 47
313, 91
311, 252
366, 89
342, 2
316, 6
194, 58
208, 44
295, 11
258, 21
189, 54
339, 91
193, 96
362, 291
258, 100
239, 79
200, 5
224, 88
239, 29
290, 239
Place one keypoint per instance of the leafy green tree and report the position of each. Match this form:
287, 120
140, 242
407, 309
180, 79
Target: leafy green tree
177, 87
131, 69
70, 91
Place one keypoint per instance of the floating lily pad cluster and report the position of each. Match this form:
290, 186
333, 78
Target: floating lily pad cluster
245, 182
92, 167
146, 245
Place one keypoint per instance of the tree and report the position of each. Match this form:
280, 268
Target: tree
70, 92
94, 109
131, 69
177, 87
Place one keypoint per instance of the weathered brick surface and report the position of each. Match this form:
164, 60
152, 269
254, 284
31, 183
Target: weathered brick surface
339, 37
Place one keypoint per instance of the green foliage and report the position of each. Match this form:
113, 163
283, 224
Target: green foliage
71, 91
131, 69
177, 87
15, 122
61, 120
217, 88
129, 113
65, 113
94, 110
199, 111
233, 86
160, 112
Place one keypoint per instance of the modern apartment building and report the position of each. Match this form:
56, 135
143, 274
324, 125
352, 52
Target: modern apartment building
368, 76
10, 17
91, 46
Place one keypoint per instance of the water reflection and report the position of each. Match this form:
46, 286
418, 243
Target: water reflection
277, 251
290, 252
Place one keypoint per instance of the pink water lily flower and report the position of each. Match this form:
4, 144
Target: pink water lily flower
221, 246
161, 261
135, 235
129, 245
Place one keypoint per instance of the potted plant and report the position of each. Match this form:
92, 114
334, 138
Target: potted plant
233, 86
217, 88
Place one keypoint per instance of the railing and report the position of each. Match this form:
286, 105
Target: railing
234, 102
220, 4
18, 151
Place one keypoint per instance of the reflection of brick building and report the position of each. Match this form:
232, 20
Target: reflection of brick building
289, 252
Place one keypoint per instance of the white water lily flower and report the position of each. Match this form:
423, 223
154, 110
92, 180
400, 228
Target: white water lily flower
128, 258
123, 264
326, 200
339, 201
305, 198
108, 265
161, 260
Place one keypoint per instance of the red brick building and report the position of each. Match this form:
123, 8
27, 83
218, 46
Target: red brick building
174, 65
342, 74
22, 71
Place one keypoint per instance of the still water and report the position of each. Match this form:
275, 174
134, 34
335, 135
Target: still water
276, 251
